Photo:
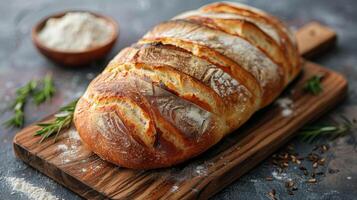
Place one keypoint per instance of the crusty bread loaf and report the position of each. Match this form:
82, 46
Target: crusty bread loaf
186, 84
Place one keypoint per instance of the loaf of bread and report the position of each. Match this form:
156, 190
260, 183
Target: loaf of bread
185, 85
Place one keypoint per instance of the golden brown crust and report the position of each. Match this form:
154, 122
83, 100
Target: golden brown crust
226, 92
250, 32
285, 37
185, 85
224, 47
106, 124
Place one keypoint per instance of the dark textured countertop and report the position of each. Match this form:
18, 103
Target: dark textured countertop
20, 62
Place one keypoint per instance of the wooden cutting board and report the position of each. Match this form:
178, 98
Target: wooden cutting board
69, 162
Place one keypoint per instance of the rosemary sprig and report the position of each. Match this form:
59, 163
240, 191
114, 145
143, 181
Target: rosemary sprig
22, 94
63, 120
313, 85
330, 131
46, 92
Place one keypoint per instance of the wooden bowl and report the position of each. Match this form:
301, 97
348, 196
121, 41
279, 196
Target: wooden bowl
74, 58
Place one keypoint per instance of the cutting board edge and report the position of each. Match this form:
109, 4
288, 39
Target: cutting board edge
87, 191
329, 107
22, 153
316, 40
57, 175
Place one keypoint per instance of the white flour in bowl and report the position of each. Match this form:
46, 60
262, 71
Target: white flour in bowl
75, 31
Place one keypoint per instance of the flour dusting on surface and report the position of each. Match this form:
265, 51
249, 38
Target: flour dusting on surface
180, 175
174, 188
287, 105
201, 170
73, 134
31, 191
62, 147
71, 148
68, 152
280, 176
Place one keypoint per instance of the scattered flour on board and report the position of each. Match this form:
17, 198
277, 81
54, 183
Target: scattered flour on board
69, 151
189, 172
62, 147
195, 190
286, 105
174, 188
31, 191
201, 170
73, 134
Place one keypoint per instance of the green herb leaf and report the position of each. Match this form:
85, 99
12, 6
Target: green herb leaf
46, 92
330, 131
313, 85
63, 120
22, 94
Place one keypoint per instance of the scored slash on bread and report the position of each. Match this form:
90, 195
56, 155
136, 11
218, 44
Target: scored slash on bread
186, 84
251, 59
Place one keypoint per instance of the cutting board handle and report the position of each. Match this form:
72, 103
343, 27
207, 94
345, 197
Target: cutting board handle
314, 38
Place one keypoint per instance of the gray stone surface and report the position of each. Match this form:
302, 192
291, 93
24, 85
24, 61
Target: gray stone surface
20, 62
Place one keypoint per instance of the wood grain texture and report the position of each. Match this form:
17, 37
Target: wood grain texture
315, 38
69, 162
